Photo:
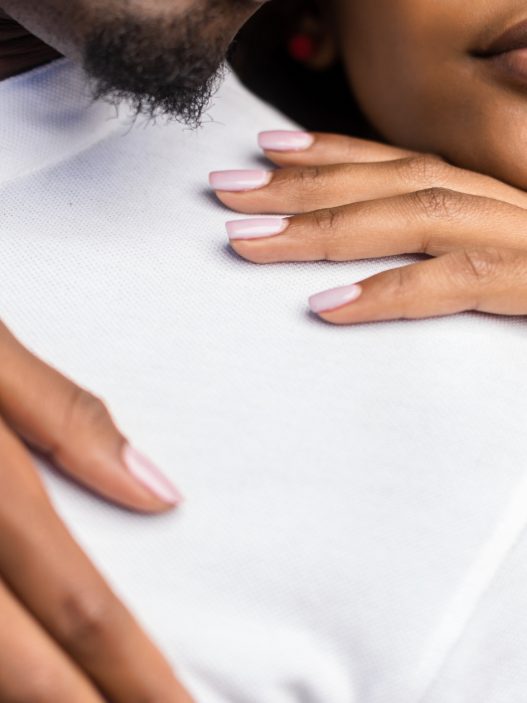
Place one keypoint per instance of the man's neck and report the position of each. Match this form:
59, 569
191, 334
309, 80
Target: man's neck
19, 50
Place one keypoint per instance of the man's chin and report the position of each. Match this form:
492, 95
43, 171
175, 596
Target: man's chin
160, 73
176, 100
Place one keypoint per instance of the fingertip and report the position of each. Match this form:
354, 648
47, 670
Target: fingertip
283, 141
239, 180
330, 300
151, 478
255, 251
256, 228
248, 202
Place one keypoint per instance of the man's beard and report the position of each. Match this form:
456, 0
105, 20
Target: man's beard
160, 67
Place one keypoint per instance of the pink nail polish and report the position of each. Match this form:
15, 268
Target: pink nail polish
334, 298
235, 181
284, 140
148, 475
257, 227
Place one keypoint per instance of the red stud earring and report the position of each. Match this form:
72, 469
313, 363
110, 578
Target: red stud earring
301, 47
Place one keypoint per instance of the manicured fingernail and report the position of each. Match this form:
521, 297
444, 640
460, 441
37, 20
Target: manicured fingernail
144, 471
239, 180
334, 298
256, 228
284, 140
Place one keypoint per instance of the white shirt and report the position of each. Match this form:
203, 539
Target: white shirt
356, 497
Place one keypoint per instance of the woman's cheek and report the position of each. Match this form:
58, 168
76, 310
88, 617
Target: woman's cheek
449, 110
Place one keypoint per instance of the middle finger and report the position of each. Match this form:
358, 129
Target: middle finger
295, 190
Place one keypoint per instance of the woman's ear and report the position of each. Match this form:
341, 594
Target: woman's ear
313, 44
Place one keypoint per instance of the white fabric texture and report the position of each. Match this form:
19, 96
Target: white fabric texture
356, 497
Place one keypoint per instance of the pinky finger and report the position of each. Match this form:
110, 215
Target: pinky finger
291, 148
484, 279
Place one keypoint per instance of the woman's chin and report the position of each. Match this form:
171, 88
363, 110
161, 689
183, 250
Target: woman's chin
510, 167
503, 157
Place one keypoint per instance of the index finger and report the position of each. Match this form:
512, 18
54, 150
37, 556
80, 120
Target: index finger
296, 148
53, 578
75, 429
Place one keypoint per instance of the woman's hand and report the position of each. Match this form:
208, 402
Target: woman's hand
64, 636
352, 199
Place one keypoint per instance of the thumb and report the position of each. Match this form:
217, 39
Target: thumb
76, 430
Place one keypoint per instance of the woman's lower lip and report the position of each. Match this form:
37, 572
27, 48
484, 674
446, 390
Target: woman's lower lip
511, 65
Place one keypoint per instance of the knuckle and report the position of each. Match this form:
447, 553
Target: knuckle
424, 170
84, 417
399, 283
84, 409
477, 265
306, 183
309, 177
84, 618
326, 219
439, 203
327, 235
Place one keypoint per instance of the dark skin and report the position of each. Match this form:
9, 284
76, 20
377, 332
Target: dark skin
449, 98
371, 199
64, 635
417, 72
160, 55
